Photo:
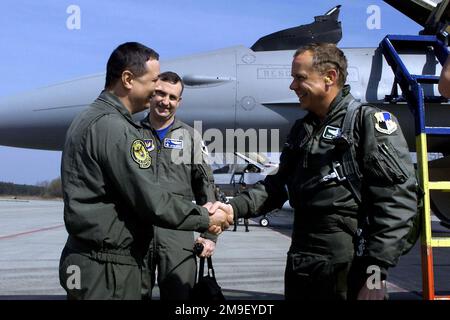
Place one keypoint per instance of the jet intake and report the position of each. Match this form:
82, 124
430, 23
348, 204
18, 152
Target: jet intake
197, 80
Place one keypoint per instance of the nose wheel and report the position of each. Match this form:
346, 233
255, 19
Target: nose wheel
264, 222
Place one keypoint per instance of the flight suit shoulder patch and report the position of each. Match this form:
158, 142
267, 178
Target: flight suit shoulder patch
384, 122
140, 154
149, 144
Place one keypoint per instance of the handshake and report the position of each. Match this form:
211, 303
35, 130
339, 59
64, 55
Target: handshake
221, 215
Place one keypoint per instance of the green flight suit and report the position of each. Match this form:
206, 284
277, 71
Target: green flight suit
181, 168
111, 202
327, 214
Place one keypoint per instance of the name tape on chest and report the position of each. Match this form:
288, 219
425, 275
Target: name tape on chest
331, 132
173, 143
140, 154
384, 123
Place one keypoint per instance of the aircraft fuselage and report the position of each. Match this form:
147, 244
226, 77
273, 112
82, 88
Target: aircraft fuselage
229, 89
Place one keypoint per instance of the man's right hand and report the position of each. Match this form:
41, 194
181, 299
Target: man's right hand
224, 207
219, 219
220, 216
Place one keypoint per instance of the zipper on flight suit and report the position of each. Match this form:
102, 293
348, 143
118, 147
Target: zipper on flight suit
159, 148
308, 148
158, 152
332, 117
311, 137
158, 155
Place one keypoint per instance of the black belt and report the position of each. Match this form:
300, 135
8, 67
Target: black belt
327, 223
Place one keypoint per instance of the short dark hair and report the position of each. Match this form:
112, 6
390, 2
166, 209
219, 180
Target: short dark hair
173, 78
327, 56
128, 56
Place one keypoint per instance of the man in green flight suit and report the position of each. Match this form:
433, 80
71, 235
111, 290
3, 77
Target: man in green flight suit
182, 169
111, 196
321, 262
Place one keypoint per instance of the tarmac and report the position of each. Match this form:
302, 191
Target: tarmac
248, 265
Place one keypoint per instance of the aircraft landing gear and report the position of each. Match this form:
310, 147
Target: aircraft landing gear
264, 222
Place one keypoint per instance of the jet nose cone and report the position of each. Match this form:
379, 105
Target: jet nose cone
22, 126
13, 112
40, 118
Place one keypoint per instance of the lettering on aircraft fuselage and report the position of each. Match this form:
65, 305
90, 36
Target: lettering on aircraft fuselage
285, 73
274, 73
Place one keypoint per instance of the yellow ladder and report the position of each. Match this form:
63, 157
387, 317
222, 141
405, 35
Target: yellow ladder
413, 92
428, 242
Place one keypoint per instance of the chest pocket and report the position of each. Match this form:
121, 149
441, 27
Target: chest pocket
384, 167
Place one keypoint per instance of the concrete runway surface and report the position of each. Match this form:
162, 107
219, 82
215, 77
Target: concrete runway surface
248, 265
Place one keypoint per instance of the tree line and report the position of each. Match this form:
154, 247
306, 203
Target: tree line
44, 189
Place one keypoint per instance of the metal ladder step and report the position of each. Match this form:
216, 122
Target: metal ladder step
437, 130
416, 40
412, 90
425, 78
440, 242
439, 185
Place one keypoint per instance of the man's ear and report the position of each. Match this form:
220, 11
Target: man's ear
331, 77
127, 79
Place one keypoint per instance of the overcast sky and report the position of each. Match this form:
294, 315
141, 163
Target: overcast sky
39, 48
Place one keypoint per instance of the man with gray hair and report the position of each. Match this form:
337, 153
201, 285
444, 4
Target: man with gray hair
350, 180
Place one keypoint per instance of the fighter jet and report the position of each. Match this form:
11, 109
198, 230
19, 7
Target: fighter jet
249, 86
239, 89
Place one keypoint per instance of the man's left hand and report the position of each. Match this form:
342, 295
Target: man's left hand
208, 247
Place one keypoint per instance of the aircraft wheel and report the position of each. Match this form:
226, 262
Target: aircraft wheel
264, 222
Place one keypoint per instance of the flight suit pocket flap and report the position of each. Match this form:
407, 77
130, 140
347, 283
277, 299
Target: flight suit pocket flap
384, 167
311, 265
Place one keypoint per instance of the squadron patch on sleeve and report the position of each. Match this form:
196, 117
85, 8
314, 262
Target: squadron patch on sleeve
149, 145
384, 123
140, 154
